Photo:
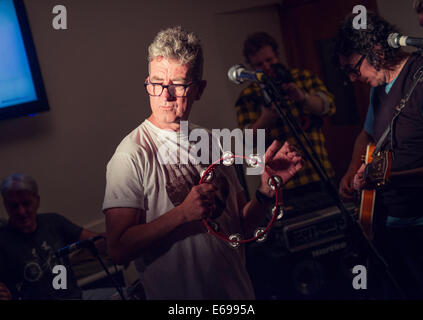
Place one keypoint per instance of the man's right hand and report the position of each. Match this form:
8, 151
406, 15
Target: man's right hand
199, 202
4, 292
346, 188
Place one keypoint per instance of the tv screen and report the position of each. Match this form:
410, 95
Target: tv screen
21, 85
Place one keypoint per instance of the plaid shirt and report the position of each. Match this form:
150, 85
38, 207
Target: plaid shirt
248, 111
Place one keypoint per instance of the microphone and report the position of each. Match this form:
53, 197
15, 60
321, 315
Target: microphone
88, 243
395, 40
238, 74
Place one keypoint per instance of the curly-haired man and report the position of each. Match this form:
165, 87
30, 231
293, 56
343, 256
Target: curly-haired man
365, 55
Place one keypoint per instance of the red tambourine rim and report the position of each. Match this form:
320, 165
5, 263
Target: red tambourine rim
225, 237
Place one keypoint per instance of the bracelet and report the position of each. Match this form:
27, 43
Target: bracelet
262, 198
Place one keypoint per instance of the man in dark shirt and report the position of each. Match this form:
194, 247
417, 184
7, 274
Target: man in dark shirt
28, 243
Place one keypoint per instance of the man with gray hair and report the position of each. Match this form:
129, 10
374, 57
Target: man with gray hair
28, 244
154, 209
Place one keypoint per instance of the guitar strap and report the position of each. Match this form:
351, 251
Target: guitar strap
418, 77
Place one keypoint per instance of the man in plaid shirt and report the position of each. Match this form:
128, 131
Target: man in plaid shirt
308, 100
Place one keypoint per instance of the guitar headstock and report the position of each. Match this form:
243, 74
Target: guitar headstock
377, 173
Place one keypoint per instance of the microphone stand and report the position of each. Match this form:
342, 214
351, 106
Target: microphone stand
282, 108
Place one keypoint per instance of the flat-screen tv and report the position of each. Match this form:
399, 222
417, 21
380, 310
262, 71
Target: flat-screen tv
21, 85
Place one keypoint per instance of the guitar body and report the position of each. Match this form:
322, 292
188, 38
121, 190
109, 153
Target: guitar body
376, 174
368, 198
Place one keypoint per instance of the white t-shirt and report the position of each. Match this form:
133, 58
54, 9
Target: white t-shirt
189, 263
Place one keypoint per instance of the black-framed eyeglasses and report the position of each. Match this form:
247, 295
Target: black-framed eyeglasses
175, 90
355, 71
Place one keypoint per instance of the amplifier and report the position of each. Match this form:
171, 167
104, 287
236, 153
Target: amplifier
323, 230
315, 229
309, 256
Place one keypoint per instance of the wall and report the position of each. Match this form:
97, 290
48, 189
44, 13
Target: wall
402, 14
94, 74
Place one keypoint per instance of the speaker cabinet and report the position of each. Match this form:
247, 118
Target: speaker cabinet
308, 257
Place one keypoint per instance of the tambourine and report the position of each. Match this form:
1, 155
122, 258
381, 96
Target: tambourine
275, 182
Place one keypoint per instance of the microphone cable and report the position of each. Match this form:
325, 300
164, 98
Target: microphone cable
117, 286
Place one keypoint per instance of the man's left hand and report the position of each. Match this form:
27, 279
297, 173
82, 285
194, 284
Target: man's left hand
283, 161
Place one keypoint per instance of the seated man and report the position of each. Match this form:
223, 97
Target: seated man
28, 243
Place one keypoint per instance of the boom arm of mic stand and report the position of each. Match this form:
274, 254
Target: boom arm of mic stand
286, 116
